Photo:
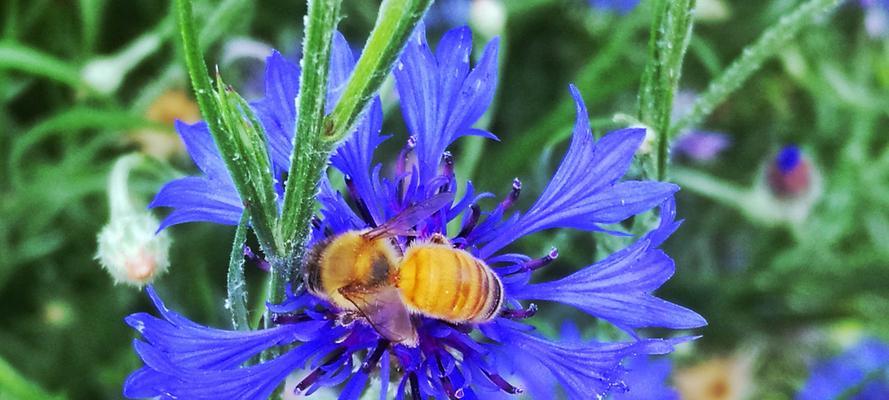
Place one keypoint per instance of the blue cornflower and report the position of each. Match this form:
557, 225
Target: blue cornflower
441, 97
860, 373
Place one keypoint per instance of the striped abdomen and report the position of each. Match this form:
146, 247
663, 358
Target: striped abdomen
450, 284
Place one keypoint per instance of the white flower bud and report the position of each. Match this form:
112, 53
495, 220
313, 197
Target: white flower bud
130, 250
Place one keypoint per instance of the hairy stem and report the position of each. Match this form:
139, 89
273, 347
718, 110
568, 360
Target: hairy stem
752, 58
395, 23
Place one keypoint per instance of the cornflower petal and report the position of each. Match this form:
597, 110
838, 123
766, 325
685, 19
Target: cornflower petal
183, 358
440, 97
354, 157
584, 191
212, 197
584, 370
277, 110
248, 383
618, 289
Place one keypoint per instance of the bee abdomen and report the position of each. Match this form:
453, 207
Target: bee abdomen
450, 284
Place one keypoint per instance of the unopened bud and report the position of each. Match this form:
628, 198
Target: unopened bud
789, 174
130, 247
130, 250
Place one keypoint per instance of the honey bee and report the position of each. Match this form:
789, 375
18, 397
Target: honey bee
366, 272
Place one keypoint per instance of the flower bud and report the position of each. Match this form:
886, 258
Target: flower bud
130, 247
130, 250
788, 187
789, 175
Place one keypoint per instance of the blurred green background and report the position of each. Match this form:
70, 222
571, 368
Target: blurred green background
84, 82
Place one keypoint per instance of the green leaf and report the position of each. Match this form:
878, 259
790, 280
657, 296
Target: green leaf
15, 386
249, 163
670, 34
237, 285
395, 23
237, 133
31, 61
310, 153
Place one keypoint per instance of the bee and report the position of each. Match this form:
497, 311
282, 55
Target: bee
366, 272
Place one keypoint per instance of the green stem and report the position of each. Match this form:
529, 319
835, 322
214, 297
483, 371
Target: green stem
309, 153
670, 34
710, 187
237, 144
316, 136
237, 285
395, 23
119, 198
752, 58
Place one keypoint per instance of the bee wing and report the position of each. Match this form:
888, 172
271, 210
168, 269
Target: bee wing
402, 223
384, 310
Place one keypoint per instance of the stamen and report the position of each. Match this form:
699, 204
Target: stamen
447, 161
445, 380
374, 358
513, 195
520, 313
308, 380
502, 383
261, 263
470, 221
537, 263
289, 318
415, 386
363, 211
318, 372
401, 163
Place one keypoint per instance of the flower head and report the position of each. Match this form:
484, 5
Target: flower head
441, 96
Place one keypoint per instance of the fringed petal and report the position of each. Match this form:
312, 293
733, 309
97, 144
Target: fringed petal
582, 370
584, 191
619, 288
440, 97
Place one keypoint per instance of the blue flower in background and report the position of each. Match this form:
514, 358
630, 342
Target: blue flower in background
441, 97
701, 146
876, 17
622, 6
860, 373
790, 173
